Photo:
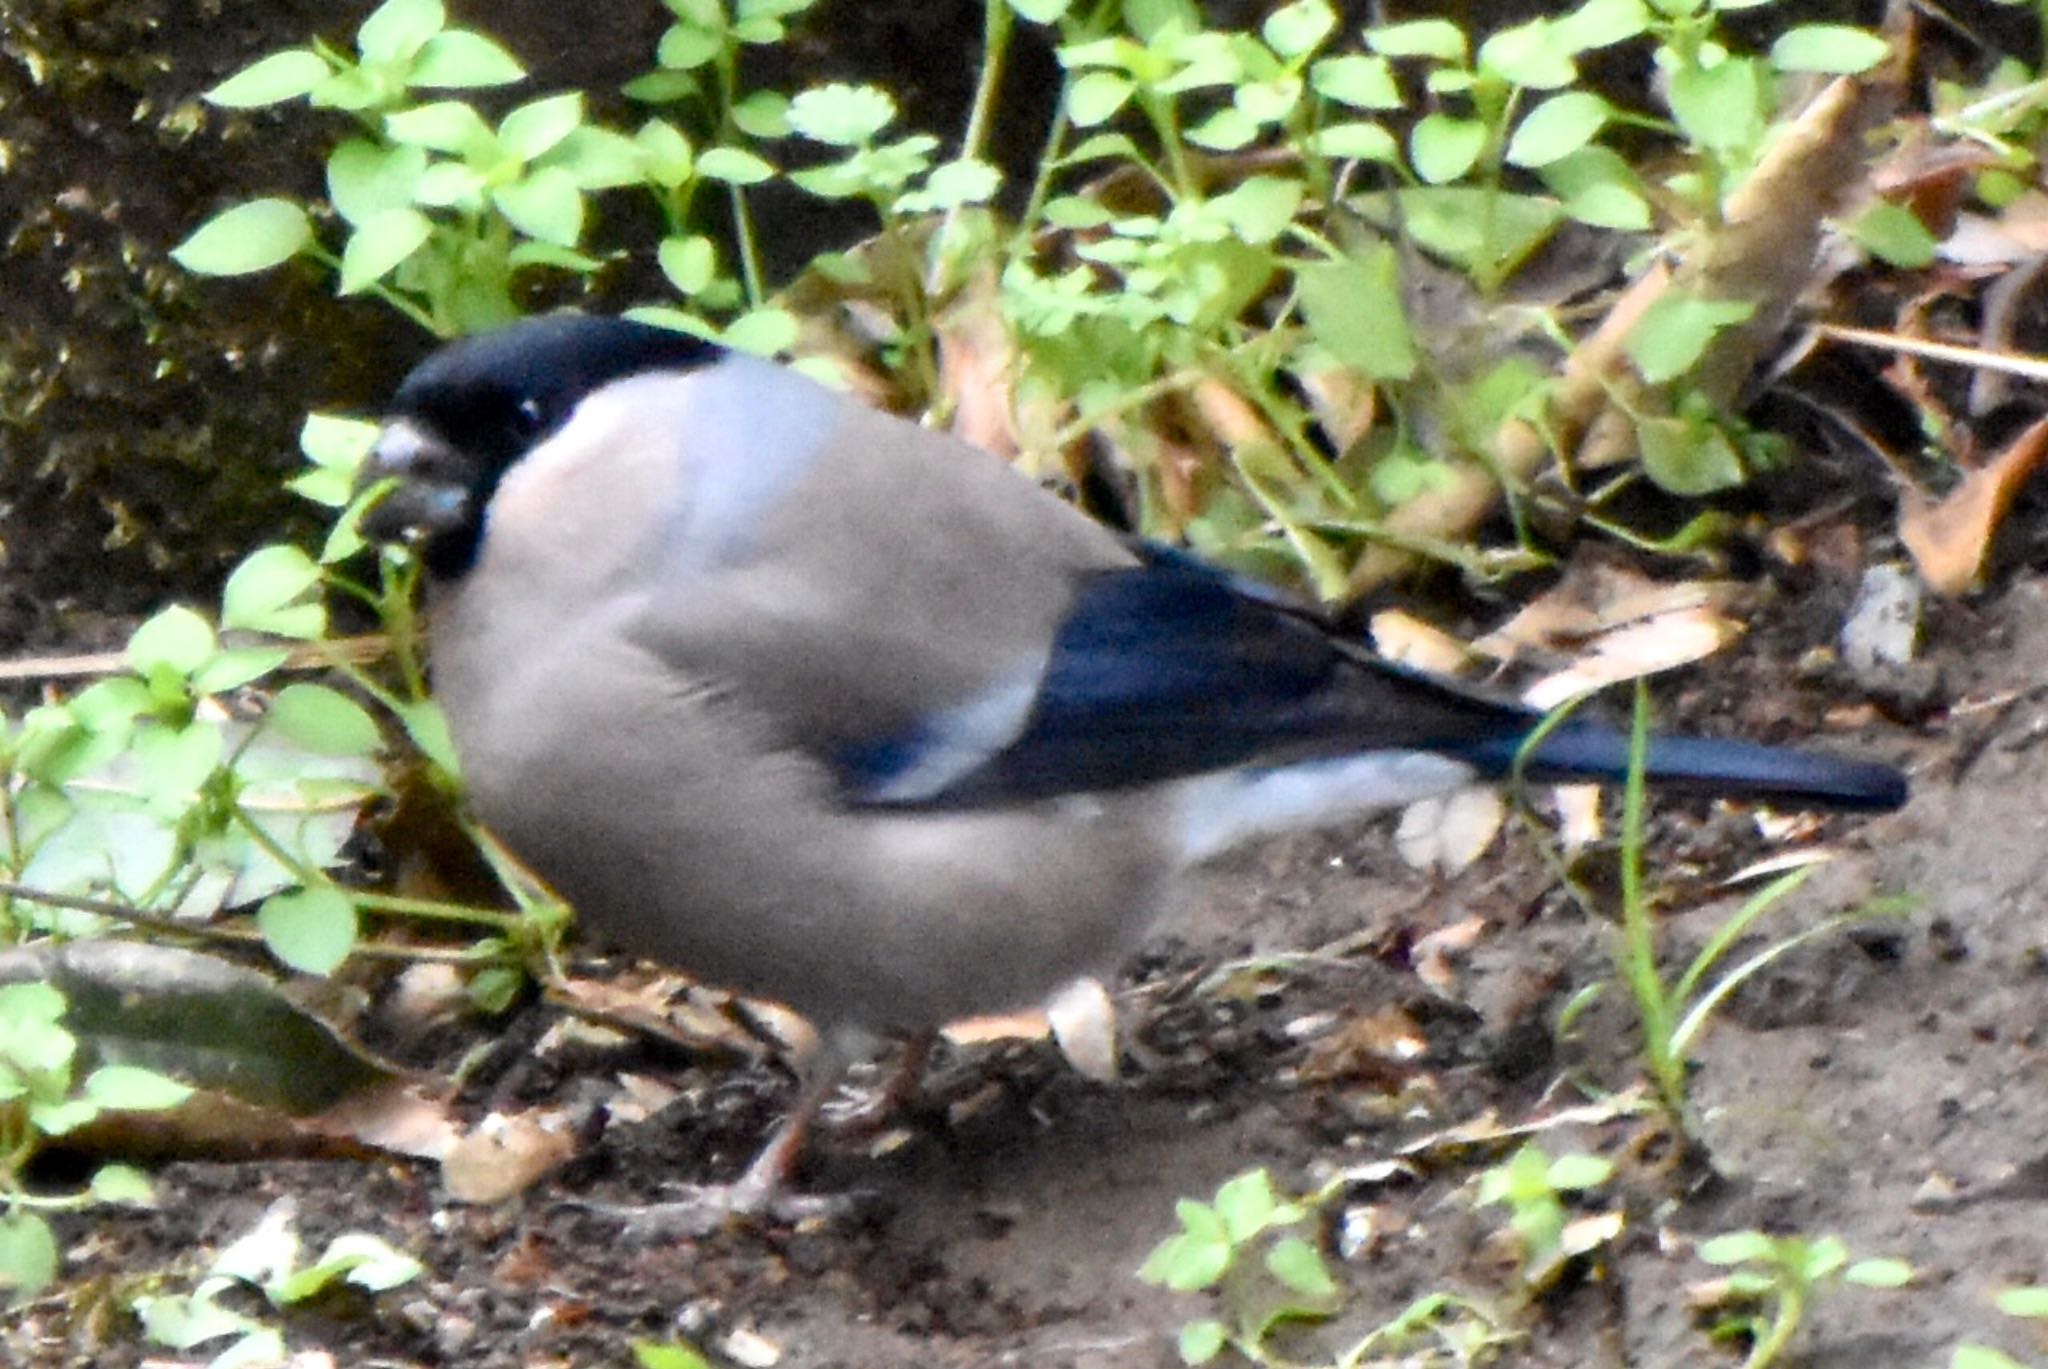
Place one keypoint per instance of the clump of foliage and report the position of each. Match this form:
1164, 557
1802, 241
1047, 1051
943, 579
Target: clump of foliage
1162, 255
45, 1094
1782, 1275
266, 1260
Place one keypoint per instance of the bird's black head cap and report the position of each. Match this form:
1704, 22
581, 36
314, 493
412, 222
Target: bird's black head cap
484, 401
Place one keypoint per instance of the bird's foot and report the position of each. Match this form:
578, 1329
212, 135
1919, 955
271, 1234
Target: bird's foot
702, 1209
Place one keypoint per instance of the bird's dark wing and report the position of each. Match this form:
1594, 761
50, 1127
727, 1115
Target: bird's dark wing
1171, 668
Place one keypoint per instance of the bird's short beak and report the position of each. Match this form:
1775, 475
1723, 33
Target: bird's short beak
427, 494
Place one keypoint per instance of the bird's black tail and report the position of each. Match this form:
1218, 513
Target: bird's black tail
1588, 753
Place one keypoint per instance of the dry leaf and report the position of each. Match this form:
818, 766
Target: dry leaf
1408, 640
1083, 1021
506, 1156
1950, 540
1447, 834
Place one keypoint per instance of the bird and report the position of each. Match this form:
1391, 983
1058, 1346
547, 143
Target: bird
834, 709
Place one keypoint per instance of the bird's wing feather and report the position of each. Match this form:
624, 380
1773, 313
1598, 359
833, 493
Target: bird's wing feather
1170, 669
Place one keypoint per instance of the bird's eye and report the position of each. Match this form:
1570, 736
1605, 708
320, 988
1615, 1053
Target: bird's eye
531, 416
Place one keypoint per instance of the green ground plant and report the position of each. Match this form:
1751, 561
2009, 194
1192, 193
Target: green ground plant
1782, 1275
1254, 1253
1673, 1012
267, 1261
1197, 277
46, 1092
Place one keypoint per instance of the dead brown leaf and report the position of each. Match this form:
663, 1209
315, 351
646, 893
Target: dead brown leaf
1950, 539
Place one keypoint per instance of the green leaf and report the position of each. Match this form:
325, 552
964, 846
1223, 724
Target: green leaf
598, 158
1599, 24
175, 640
687, 46
28, 1255
843, 115
1689, 458
1095, 96
661, 87
1880, 1273
1558, 127
457, 59
269, 584
2024, 1302
450, 185
247, 238
445, 125
1260, 208
672, 1355
62, 1117
1597, 186
1357, 80
281, 76
1982, 1357
955, 183
1675, 332
1832, 49
366, 178
689, 262
1041, 11
1720, 107
664, 152
324, 721
357, 1257
122, 1184
379, 244
530, 130
1246, 1204
762, 114
1187, 1263
1528, 55
237, 666
336, 444
33, 1004
1444, 147
311, 930
130, 1088
427, 726
1570, 1173
734, 166
764, 332
1363, 141
397, 29
1354, 309
1298, 29
1436, 38
1226, 130
1201, 1341
172, 763
1894, 235
545, 205
1300, 1266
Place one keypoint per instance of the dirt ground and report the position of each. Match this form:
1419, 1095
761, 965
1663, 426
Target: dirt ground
1883, 1086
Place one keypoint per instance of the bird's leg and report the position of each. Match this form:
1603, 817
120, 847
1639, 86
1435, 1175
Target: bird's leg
758, 1190
875, 1111
762, 1190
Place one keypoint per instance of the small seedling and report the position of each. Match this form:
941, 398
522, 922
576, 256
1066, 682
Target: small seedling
1533, 1187
2028, 1302
1674, 1012
1248, 1249
42, 1097
266, 1260
1782, 1275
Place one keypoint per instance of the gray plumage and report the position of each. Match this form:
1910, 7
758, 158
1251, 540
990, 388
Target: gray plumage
818, 704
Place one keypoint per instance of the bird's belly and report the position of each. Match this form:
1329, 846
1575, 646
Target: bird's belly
680, 833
